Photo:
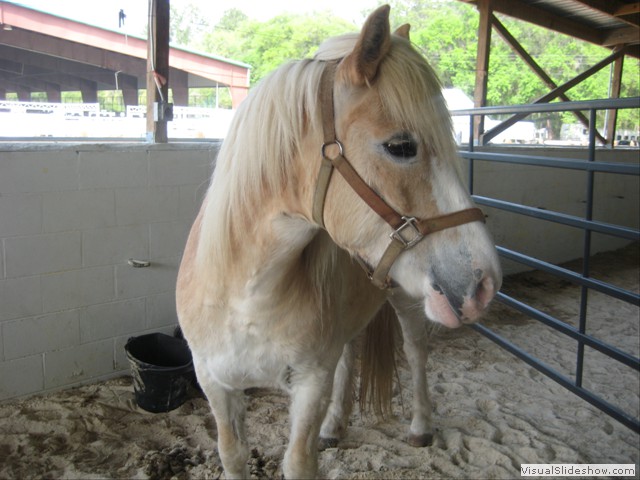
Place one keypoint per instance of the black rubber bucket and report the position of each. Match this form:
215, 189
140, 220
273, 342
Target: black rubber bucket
162, 371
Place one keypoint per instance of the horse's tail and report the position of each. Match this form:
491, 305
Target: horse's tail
378, 362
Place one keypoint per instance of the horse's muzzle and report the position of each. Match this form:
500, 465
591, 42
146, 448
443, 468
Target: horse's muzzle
452, 306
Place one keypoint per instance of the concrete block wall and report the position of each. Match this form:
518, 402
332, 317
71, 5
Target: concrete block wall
70, 218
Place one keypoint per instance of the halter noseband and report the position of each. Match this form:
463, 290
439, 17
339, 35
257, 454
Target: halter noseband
407, 231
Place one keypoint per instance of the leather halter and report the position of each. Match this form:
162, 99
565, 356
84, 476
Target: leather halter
407, 231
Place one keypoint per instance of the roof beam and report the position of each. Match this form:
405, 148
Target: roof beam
535, 13
37, 78
624, 12
605, 6
531, 14
621, 36
11, 83
84, 54
89, 72
627, 9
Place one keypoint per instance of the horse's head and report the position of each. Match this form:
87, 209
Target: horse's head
392, 123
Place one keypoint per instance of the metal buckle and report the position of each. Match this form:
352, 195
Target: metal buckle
408, 222
335, 142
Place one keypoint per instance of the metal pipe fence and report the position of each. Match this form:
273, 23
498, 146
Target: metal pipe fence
586, 223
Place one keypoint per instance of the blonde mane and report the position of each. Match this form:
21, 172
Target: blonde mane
266, 134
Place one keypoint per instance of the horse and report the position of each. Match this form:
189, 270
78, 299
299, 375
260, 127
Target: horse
333, 165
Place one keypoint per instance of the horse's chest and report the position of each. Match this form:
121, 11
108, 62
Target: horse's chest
246, 355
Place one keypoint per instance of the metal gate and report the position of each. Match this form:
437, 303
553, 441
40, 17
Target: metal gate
591, 167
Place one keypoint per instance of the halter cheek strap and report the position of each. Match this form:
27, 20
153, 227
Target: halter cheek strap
407, 231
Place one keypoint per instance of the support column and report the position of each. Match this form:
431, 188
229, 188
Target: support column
180, 87
128, 85
24, 93
130, 96
238, 94
54, 94
614, 88
158, 70
89, 92
482, 64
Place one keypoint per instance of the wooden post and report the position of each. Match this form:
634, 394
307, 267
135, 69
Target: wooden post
482, 64
614, 92
158, 71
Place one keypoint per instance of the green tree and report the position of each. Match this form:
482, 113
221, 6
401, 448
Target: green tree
266, 45
187, 26
445, 31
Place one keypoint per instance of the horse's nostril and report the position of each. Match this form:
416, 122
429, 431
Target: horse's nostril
477, 274
485, 292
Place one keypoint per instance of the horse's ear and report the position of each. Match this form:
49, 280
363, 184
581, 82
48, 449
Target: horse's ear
361, 65
403, 31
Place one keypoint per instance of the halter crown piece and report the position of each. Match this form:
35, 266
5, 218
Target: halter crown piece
406, 231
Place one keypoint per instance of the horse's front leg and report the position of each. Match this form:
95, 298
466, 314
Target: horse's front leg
337, 417
229, 410
310, 394
414, 332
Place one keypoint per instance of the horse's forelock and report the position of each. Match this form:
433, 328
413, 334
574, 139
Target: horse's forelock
408, 88
411, 96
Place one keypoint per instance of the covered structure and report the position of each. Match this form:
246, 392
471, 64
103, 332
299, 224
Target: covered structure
613, 24
41, 52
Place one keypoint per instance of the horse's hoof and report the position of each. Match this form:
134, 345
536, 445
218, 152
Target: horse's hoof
325, 443
424, 440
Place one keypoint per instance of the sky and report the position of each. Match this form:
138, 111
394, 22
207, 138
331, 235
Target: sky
104, 13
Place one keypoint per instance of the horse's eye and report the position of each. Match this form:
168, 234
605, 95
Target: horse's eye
401, 147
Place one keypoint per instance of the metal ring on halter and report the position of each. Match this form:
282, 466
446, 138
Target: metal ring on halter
335, 142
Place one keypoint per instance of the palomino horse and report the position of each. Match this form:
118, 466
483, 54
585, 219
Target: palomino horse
267, 293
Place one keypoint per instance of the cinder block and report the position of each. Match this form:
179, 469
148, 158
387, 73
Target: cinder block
160, 277
168, 168
33, 335
20, 297
77, 288
21, 377
161, 310
78, 363
38, 171
38, 254
114, 245
20, 215
113, 168
135, 206
167, 239
108, 320
79, 210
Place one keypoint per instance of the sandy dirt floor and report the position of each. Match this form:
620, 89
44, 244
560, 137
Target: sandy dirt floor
492, 412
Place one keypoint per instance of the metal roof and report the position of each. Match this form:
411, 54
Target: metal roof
608, 23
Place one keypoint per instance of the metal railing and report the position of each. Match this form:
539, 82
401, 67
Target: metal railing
586, 223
